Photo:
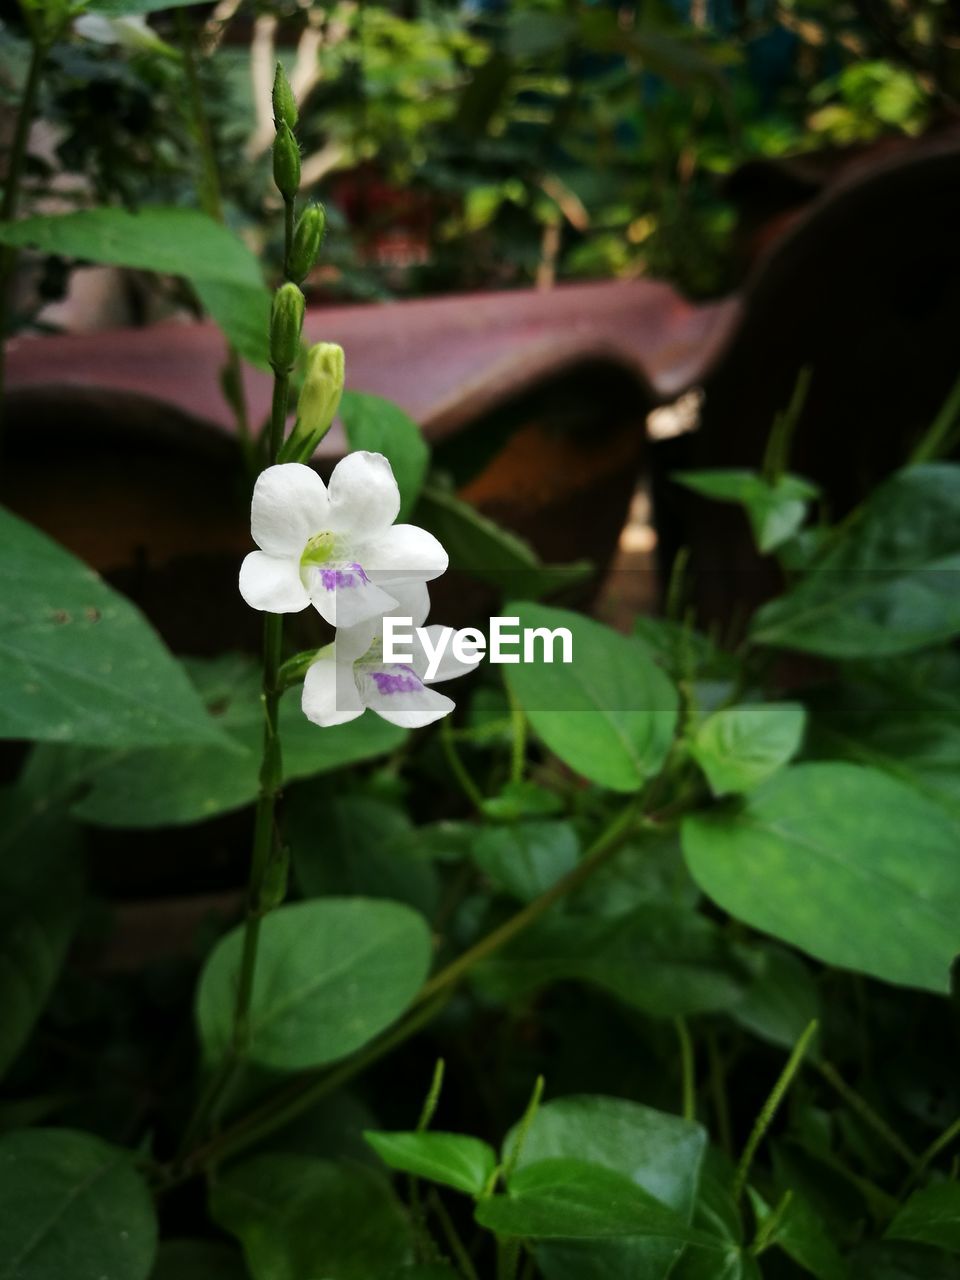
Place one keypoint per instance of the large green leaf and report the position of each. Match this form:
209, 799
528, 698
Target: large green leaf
382, 427
525, 859
478, 546
453, 1159
298, 1217
566, 1199
160, 787
39, 901
660, 959
889, 583
738, 747
119, 8
930, 1216
660, 1154
180, 242
610, 714
78, 663
356, 845
330, 975
844, 862
71, 1205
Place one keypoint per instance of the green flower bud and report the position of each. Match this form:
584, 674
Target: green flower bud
286, 321
286, 162
284, 103
318, 403
307, 239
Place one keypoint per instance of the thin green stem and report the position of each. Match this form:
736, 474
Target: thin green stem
457, 767
11, 197
718, 1094
452, 1237
687, 1090
940, 437
926, 1158
770, 1108
518, 745
856, 1102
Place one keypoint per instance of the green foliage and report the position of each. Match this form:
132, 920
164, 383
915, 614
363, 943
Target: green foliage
452, 1159
311, 954
81, 664
72, 1205
610, 715
852, 866
776, 508
740, 746
381, 427
298, 1216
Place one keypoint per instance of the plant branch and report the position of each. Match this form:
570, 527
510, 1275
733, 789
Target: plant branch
433, 995
11, 196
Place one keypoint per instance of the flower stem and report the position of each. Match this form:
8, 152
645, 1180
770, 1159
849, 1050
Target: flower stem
770, 1108
11, 196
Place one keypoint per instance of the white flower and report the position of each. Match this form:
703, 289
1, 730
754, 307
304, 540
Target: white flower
336, 548
351, 675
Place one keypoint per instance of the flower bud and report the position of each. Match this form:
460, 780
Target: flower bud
307, 239
286, 162
284, 103
286, 321
318, 403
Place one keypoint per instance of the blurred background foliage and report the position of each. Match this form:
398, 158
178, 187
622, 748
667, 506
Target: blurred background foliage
492, 143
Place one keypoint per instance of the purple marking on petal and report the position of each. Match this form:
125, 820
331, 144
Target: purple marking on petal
337, 579
405, 681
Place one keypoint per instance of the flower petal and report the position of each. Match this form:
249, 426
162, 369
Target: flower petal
449, 666
289, 506
271, 584
403, 552
364, 498
330, 694
344, 595
397, 694
413, 601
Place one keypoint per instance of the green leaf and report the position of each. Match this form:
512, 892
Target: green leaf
846, 863
330, 976
802, 1236
242, 311
717, 1214
888, 584
776, 509
661, 1154
740, 746
197, 1260
382, 427
897, 1260
522, 799
610, 714
161, 787
179, 242
36, 924
78, 663
356, 845
452, 1159
931, 1216
299, 1217
478, 546
781, 1002
564, 1199
660, 959
526, 859
72, 1205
